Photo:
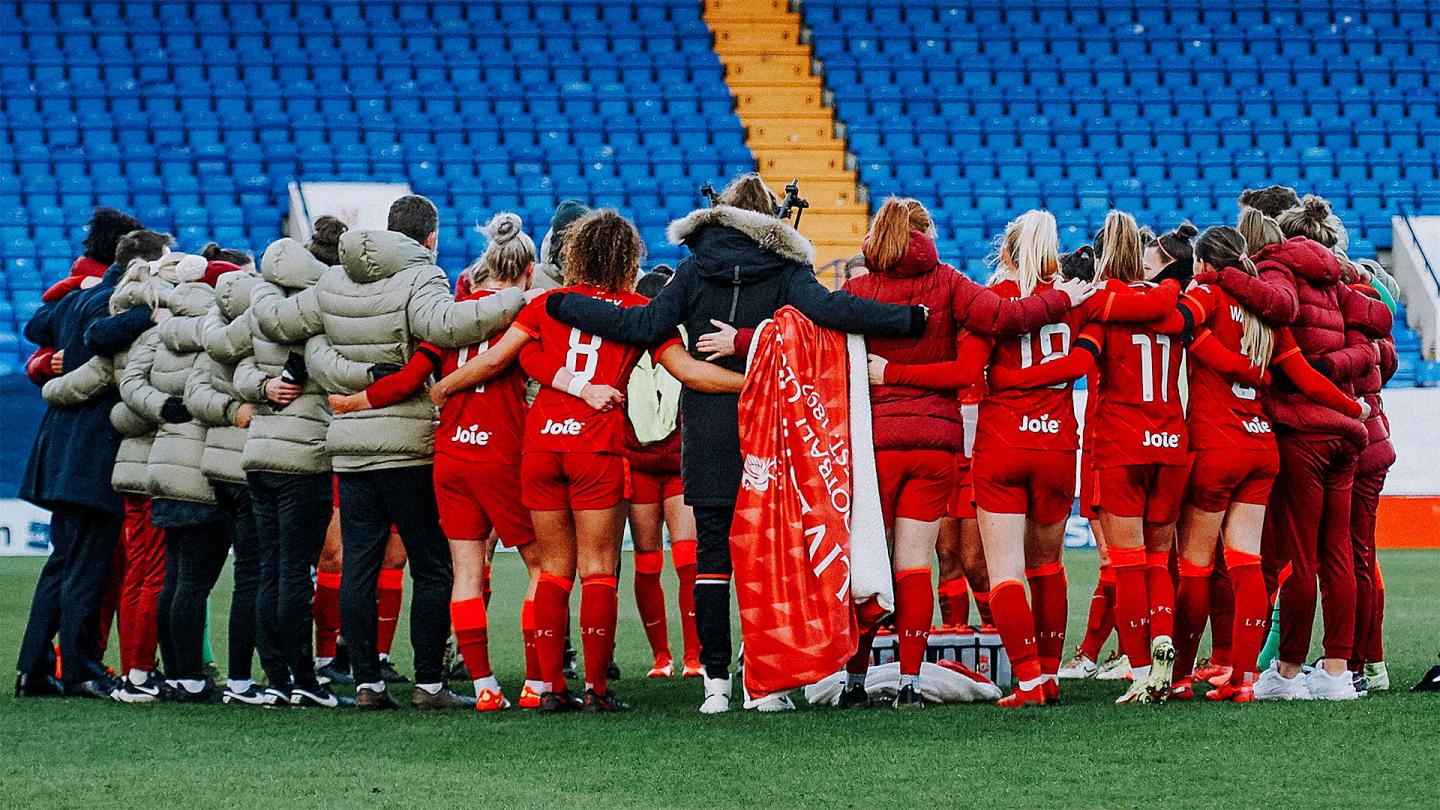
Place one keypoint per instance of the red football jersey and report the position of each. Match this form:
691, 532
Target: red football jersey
483, 424
1031, 418
559, 422
1139, 418
1223, 414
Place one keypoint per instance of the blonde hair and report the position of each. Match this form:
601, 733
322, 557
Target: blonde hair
604, 249
1221, 247
148, 282
1257, 229
1121, 249
510, 252
748, 191
1312, 220
1030, 250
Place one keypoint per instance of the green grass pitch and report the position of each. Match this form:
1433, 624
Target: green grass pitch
1377, 752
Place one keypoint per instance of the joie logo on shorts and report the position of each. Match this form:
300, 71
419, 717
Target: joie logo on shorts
569, 427
1256, 425
1029, 424
471, 435
757, 473
1153, 439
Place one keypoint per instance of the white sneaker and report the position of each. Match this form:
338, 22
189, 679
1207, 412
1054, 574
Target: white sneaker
1377, 677
1135, 694
1079, 668
1323, 686
717, 696
1114, 669
1271, 685
775, 703
1162, 666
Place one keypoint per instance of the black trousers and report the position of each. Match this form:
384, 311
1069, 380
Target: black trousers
712, 595
234, 502
67, 595
194, 557
370, 502
291, 515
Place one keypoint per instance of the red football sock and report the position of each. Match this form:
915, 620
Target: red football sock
527, 632
682, 556
867, 620
1101, 621
1161, 590
1132, 603
552, 617
1222, 614
469, 620
327, 612
388, 593
650, 599
1194, 604
1017, 629
914, 607
954, 602
982, 607
598, 606
1252, 613
1051, 611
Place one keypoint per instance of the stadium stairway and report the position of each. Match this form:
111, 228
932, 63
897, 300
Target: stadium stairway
791, 131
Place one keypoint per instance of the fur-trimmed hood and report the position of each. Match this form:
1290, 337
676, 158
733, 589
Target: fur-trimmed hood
723, 237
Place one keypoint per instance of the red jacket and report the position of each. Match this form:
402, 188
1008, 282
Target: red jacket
908, 417
1333, 325
1379, 453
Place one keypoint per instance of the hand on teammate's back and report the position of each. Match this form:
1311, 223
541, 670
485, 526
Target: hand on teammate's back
280, 392
720, 343
602, 397
1079, 291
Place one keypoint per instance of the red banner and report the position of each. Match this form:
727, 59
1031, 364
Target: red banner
791, 537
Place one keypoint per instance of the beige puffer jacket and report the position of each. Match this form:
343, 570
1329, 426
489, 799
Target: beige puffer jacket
386, 297
290, 440
100, 373
174, 471
210, 392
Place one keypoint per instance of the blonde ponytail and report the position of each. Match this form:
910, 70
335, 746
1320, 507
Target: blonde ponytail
1121, 249
510, 252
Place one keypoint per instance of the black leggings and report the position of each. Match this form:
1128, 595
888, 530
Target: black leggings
712, 594
291, 515
244, 641
194, 557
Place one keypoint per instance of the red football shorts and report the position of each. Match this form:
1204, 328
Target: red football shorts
1037, 483
555, 482
646, 488
1150, 491
476, 499
1219, 478
914, 484
962, 493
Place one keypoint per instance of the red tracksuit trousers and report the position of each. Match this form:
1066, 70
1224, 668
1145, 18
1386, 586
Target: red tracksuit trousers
144, 578
1309, 529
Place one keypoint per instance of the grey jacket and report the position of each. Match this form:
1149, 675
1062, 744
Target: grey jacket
99, 374
174, 469
386, 297
289, 440
210, 392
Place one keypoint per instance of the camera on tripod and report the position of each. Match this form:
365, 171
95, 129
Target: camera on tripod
792, 204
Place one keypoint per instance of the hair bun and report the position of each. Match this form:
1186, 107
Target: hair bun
210, 251
1316, 208
1187, 231
503, 227
327, 230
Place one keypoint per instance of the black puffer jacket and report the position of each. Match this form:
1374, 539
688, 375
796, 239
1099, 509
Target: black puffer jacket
744, 267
